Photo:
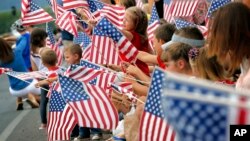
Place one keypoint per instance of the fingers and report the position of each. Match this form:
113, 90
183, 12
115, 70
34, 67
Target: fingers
37, 85
125, 64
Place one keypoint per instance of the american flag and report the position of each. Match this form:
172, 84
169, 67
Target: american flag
79, 39
183, 8
122, 87
83, 74
86, 53
51, 42
240, 115
153, 23
4, 70
34, 14
168, 11
72, 4
91, 106
153, 126
94, 9
86, 40
67, 21
55, 7
205, 111
24, 7
61, 120
27, 75
82, 39
139, 4
114, 13
84, 26
125, 88
87, 43
103, 50
102, 80
126, 48
216, 4
58, 9
181, 24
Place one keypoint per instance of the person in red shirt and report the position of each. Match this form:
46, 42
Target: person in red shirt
135, 29
162, 35
49, 60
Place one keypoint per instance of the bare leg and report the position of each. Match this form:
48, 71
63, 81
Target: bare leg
32, 101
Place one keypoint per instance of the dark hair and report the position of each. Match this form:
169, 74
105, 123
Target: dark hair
162, 21
127, 3
37, 38
230, 33
140, 20
190, 32
6, 53
74, 49
49, 57
165, 32
56, 30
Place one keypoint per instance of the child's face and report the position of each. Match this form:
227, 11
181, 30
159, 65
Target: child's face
128, 23
71, 58
157, 45
172, 66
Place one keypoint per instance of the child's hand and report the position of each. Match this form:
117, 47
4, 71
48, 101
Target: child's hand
37, 85
114, 67
132, 70
41, 83
124, 66
92, 22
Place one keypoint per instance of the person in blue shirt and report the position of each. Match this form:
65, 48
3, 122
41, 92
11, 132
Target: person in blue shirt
23, 43
13, 59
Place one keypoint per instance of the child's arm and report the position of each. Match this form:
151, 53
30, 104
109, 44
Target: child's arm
114, 67
10, 38
138, 73
46, 81
138, 88
128, 34
33, 65
147, 57
51, 80
151, 68
42, 82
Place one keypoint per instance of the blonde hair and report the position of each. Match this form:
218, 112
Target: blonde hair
74, 49
207, 67
49, 57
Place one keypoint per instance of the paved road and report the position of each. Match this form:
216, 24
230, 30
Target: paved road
19, 125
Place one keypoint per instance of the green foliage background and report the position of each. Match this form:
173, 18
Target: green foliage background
7, 19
